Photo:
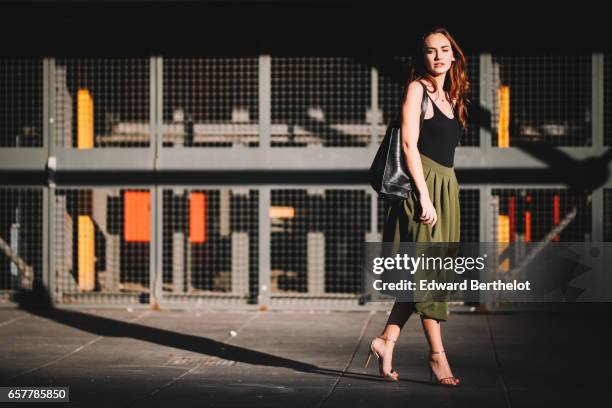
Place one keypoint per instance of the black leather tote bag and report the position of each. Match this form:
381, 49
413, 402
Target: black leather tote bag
389, 175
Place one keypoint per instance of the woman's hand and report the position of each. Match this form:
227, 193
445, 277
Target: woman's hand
428, 216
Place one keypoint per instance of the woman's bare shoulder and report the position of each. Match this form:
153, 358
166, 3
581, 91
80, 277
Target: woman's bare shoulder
415, 89
423, 83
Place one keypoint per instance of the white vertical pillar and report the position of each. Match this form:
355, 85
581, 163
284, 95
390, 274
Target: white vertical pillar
316, 263
240, 263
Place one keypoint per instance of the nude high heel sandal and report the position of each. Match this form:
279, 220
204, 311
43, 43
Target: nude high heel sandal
434, 380
393, 375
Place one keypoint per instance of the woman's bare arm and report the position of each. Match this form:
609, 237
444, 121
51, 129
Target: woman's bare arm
411, 114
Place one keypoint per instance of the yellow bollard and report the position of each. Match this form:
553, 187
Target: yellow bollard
503, 237
86, 253
503, 126
85, 120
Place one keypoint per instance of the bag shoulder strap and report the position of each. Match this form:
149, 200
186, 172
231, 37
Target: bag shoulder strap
424, 103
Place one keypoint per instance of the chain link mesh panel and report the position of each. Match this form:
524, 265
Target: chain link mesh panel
316, 241
210, 243
21, 240
548, 100
102, 103
102, 245
472, 133
469, 199
21, 103
320, 101
529, 215
392, 80
211, 102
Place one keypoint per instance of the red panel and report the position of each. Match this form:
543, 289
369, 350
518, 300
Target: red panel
197, 218
137, 212
556, 214
527, 226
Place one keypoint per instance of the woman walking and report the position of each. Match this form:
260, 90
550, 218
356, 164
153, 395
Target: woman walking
431, 213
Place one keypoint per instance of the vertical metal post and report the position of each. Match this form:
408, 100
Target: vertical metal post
486, 112
315, 264
156, 254
239, 275
373, 213
264, 248
265, 119
597, 101
484, 193
485, 233
155, 120
46, 216
597, 211
49, 136
374, 106
46, 125
47, 266
597, 120
157, 107
265, 75
373, 235
486, 102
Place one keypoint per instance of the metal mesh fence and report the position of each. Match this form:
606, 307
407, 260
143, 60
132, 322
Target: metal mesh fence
102, 237
541, 98
210, 243
529, 215
21, 103
472, 133
102, 245
321, 101
21, 240
102, 103
210, 102
316, 241
392, 82
469, 199
381, 214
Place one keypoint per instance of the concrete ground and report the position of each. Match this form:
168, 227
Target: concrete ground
145, 358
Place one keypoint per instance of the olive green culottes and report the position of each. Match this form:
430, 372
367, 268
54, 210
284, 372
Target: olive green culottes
402, 223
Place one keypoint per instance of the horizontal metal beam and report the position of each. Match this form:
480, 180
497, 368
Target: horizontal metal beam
116, 159
310, 165
350, 158
275, 158
26, 159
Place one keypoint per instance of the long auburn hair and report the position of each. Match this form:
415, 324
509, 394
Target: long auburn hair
456, 81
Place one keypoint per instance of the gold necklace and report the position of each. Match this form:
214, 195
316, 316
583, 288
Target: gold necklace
440, 97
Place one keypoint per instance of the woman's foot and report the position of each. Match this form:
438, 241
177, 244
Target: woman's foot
384, 347
440, 369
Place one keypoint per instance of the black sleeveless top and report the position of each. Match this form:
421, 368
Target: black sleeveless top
439, 136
